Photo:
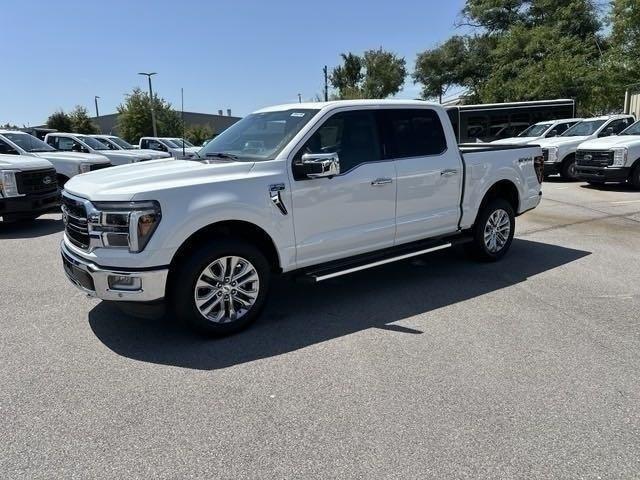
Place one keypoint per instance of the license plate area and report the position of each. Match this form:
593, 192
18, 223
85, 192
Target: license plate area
78, 276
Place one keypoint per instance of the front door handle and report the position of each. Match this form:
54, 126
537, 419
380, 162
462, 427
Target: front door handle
381, 181
448, 172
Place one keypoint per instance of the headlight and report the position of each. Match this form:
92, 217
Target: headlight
620, 156
553, 154
84, 168
8, 184
124, 224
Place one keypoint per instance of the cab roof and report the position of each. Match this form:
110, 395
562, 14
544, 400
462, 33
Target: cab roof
346, 103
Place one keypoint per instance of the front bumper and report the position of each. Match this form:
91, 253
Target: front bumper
602, 174
93, 279
29, 205
551, 168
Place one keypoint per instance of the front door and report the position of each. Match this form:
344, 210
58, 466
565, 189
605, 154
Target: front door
353, 212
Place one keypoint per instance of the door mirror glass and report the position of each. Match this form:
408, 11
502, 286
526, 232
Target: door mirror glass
317, 165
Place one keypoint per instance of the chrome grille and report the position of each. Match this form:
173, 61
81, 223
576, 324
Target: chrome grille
594, 158
37, 181
74, 215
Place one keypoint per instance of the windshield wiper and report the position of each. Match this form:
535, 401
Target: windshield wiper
228, 156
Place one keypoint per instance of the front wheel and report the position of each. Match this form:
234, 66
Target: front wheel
493, 231
568, 169
222, 288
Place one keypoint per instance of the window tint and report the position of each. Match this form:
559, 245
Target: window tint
352, 135
65, 144
414, 133
7, 149
562, 127
619, 125
144, 143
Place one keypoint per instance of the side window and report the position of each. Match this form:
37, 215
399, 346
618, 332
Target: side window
617, 126
562, 127
414, 133
352, 135
144, 143
53, 141
65, 144
7, 149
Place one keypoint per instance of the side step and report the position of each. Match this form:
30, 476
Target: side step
318, 273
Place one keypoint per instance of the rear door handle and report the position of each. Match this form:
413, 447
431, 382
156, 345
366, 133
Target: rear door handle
448, 172
381, 181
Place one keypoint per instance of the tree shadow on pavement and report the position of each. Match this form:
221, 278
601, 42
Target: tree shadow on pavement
299, 315
30, 229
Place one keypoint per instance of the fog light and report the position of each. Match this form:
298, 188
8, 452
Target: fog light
124, 282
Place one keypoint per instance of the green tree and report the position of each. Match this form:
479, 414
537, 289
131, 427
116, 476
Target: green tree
197, 134
80, 121
376, 74
441, 68
60, 121
134, 119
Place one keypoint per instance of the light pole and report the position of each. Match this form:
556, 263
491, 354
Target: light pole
153, 113
95, 99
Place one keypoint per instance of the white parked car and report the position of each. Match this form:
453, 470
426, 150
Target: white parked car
28, 187
161, 144
118, 144
76, 142
540, 130
611, 159
560, 152
335, 187
67, 164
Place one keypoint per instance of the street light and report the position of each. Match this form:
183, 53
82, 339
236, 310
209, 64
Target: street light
153, 113
95, 99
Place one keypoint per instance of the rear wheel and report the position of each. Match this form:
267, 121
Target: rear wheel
568, 168
222, 288
493, 231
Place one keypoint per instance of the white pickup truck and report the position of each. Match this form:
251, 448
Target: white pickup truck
76, 142
611, 159
67, 164
316, 189
538, 131
118, 144
28, 187
560, 152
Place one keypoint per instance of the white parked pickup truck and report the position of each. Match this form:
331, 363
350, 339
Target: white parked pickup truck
76, 142
560, 152
67, 164
611, 159
318, 190
28, 187
168, 145
538, 131
118, 144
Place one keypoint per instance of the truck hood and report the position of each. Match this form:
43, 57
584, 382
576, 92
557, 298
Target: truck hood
608, 142
22, 162
143, 180
559, 141
72, 157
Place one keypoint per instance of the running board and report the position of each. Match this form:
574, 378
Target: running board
363, 262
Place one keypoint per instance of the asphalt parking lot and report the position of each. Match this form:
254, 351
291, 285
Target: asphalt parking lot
433, 368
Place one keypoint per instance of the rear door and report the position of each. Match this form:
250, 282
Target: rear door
429, 174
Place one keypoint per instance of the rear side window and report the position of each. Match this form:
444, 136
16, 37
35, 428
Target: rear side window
414, 133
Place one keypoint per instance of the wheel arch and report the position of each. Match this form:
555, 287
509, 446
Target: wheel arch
505, 189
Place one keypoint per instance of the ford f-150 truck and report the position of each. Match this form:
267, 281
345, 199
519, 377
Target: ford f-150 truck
538, 131
76, 142
316, 190
560, 152
611, 159
118, 144
28, 187
67, 164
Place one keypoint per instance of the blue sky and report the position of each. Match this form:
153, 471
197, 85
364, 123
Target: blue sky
241, 54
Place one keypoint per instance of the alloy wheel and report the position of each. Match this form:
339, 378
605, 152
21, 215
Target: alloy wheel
497, 230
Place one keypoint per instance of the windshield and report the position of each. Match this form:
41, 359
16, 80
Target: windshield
28, 142
584, 128
179, 141
535, 130
121, 143
170, 143
106, 143
632, 130
93, 143
260, 136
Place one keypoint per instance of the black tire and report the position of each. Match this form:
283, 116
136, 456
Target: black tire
478, 247
595, 183
183, 286
634, 178
568, 169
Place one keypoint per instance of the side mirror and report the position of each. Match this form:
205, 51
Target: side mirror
76, 148
552, 133
317, 165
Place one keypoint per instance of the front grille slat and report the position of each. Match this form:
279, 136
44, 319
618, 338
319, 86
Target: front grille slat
76, 225
594, 158
37, 181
